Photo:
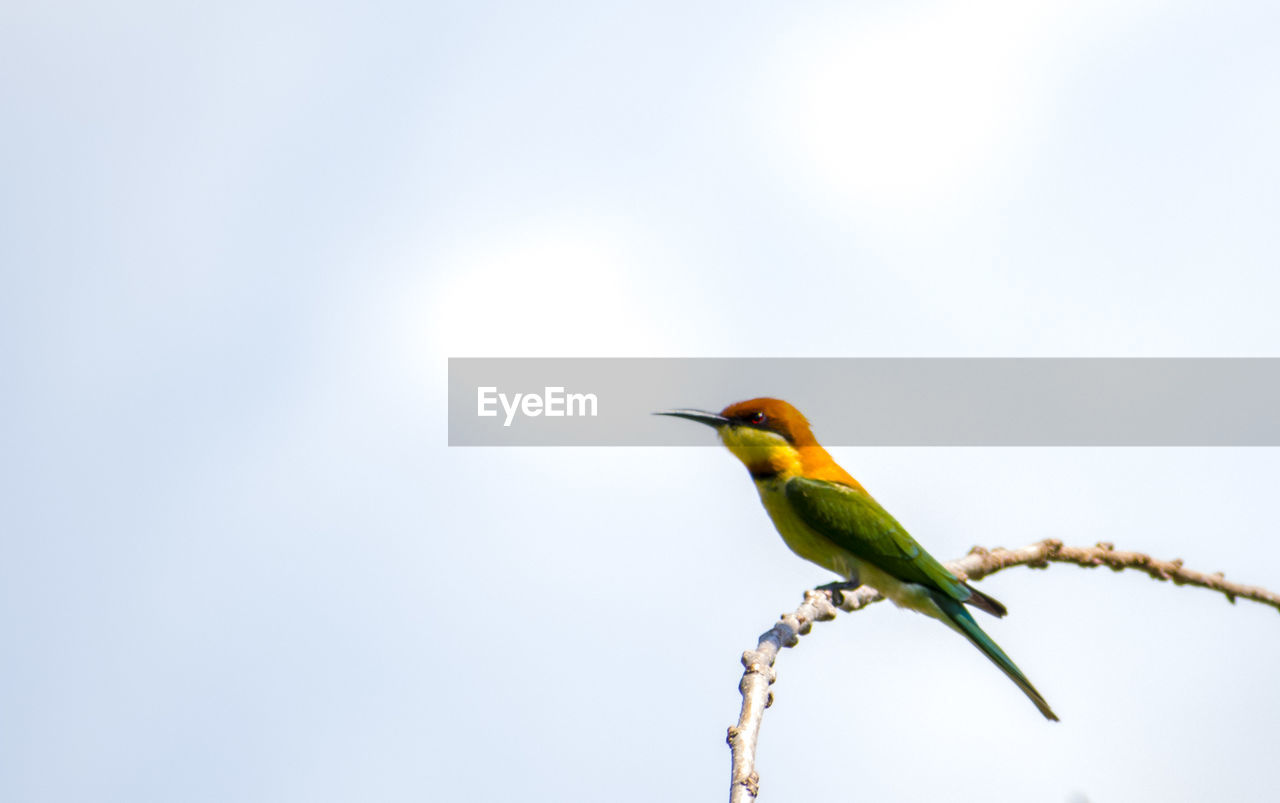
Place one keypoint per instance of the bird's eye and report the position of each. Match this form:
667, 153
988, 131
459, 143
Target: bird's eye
757, 417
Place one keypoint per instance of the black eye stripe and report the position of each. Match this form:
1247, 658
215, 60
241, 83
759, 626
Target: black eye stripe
758, 420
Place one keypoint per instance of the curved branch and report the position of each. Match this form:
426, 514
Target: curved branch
819, 607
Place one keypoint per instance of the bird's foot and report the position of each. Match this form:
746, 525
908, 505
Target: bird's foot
837, 590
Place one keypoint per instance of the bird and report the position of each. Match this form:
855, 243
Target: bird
826, 517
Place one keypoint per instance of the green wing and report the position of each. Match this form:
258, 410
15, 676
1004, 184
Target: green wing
855, 522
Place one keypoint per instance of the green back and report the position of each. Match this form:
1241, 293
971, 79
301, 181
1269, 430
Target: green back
856, 523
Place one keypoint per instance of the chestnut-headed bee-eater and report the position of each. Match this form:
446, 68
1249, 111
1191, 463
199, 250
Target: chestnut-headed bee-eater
827, 517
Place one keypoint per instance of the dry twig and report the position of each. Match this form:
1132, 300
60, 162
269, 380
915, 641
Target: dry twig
818, 607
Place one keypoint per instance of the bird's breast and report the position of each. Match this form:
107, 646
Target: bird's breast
814, 547
800, 537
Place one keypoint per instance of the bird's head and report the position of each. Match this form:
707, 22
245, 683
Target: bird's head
769, 436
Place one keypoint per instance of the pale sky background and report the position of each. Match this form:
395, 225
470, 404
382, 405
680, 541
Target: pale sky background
239, 240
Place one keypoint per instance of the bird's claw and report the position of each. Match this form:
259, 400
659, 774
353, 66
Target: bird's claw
837, 589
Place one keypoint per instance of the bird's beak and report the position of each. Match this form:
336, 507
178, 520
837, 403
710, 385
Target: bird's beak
702, 417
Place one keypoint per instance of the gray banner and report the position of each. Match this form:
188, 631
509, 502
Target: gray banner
872, 402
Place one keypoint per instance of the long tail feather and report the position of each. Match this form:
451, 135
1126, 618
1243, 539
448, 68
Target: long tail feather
963, 622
